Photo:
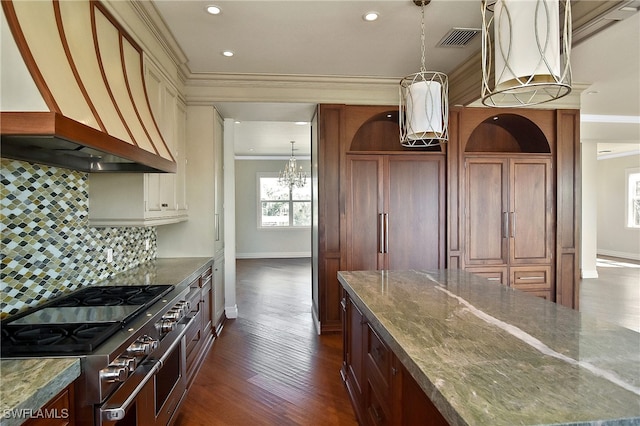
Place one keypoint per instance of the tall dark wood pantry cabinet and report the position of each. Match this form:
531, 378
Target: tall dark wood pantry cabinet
395, 212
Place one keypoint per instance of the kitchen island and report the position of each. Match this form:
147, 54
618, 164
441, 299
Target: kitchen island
485, 354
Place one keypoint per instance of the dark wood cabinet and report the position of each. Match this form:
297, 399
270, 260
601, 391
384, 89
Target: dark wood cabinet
351, 144
381, 389
395, 212
59, 411
508, 221
352, 372
498, 165
513, 198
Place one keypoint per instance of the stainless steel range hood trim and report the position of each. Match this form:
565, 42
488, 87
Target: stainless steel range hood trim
31, 136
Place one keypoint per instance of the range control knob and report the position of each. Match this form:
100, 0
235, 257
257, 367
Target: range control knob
114, 373
153, 343
126, 362
173, 314
167, 325
138, 348
143, 346
185, 306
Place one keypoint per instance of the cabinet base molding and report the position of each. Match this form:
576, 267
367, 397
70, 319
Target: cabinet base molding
114, 223
231, 312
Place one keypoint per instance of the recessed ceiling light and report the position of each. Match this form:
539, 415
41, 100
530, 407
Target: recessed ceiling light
213, 10
370, 16
301, 123
227, 53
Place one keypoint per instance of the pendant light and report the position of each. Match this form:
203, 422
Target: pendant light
424, 98
292, 175
530, 49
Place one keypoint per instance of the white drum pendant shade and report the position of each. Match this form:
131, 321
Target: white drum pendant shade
424, 110
516, 34
526, 51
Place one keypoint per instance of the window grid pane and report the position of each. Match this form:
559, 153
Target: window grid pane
275, 214
633, 200
281, 206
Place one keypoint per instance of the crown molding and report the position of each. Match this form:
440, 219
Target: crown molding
203, 88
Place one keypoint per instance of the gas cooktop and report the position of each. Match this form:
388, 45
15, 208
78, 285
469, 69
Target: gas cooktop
77, 323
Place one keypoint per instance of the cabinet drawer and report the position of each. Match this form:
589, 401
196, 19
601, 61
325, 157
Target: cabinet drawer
206, 275
194, 298
378, 363
496, 274
194, 342
377, 409
531, 279
59, 408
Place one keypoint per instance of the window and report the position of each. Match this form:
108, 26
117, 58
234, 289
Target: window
281, 206
633, 198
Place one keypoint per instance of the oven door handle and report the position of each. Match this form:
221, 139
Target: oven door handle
117, 412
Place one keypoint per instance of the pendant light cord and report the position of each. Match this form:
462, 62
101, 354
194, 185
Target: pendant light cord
423, 67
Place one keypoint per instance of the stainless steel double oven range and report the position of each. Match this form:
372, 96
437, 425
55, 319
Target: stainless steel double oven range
130, 341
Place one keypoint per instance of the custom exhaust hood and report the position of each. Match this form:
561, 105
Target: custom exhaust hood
72, 91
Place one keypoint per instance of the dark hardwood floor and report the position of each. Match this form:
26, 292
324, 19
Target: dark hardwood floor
269, 367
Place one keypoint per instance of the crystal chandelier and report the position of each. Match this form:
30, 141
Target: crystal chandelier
292, 175
424, 98
530, 50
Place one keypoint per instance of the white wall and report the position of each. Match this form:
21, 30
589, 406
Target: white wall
589, 240
251, 241
614, 238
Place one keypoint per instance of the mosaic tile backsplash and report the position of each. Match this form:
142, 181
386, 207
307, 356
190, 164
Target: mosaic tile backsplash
47, 244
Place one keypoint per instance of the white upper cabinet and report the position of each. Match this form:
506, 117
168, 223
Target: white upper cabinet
150, 199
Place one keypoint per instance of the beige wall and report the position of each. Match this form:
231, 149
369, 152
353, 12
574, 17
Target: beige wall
614, 237
251, 241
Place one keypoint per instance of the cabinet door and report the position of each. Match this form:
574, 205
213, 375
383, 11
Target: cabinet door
414, 202
531, 210
355, 344
168, 128
364, 213
486, 211
218, 167
218, 288
181, 157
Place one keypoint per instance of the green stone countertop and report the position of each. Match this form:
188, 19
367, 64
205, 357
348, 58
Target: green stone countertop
174, 271
487, 354
29, 383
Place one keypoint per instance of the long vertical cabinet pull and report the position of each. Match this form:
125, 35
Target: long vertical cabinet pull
382, 239
386, 233
513, 224
383, 224
217, 226
505, 225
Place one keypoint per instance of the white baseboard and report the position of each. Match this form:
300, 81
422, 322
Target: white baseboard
272, 255
588, 273
316, 322
620, 254
231, 311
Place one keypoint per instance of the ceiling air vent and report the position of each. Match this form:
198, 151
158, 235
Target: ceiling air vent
458, 37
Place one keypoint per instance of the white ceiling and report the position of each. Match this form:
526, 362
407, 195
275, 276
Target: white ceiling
330, 38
